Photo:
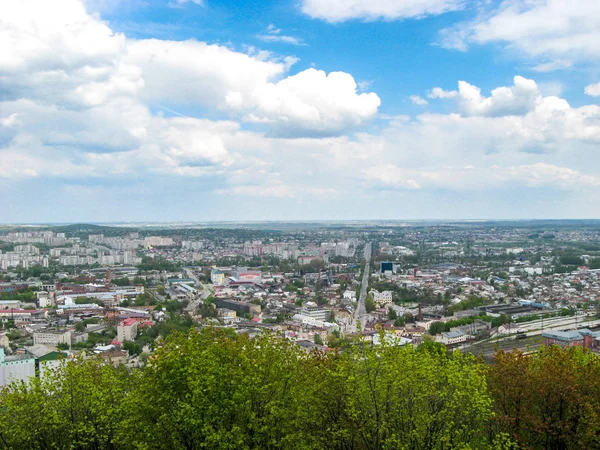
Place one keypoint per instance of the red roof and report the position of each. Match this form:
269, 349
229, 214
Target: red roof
129, 322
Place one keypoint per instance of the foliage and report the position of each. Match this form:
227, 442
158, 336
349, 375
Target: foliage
548, 400
470, 303
121, 282
370, 303
23, 296
218, 389
157, 263
78, 405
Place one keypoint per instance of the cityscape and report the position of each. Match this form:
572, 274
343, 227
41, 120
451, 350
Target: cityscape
116, 292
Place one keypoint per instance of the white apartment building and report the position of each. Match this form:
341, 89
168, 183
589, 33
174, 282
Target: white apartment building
127, 330
15, 368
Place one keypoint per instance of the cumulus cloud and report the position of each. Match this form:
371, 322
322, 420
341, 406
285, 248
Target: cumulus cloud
313, 100
518, 99
438, 92
342, 10
593, 90
555, 31
68, 57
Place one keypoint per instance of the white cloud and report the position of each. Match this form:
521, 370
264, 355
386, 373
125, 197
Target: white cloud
310, 101
593, 90
557, 32
313, 100
438, 92
342, 10
518, 99
418, 100
65, 56
551, 66
273, 34
539, 175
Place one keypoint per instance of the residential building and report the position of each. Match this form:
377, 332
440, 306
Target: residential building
127, 330
382, 298
217, 277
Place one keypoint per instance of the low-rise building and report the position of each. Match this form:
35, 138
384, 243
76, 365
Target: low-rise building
574, 338
382, 298
52, 337
452, 337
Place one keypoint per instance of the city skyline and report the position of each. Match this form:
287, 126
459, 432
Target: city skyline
206, 110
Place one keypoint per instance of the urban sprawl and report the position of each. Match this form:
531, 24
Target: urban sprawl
83, 291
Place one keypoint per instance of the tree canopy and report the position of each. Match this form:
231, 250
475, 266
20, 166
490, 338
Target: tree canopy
217, 389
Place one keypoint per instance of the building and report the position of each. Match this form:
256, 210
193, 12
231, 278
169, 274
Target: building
387, 267
227, 315
127, 330
349, 295
48, 337
15, 368
217, 277
451, 337
320, 314
382, 298
239, 307
157, 241
9, 304
573, 338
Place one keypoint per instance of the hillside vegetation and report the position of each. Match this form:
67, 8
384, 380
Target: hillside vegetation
214, 389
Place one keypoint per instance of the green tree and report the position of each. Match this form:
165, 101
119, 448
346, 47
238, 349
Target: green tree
78, 405
370, 304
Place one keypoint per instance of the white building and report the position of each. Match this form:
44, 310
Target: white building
316, 313
382, 298
349, 295
157, 241
217, 277
127, 330
15, 368
47, 337
451, 337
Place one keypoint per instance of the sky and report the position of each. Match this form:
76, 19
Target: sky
213, 110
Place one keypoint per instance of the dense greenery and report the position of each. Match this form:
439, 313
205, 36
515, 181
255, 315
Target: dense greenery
215, 389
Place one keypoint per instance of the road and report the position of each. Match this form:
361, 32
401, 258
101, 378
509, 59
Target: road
361, 311
202, 289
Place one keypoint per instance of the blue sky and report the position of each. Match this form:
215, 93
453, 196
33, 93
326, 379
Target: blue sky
115, 110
